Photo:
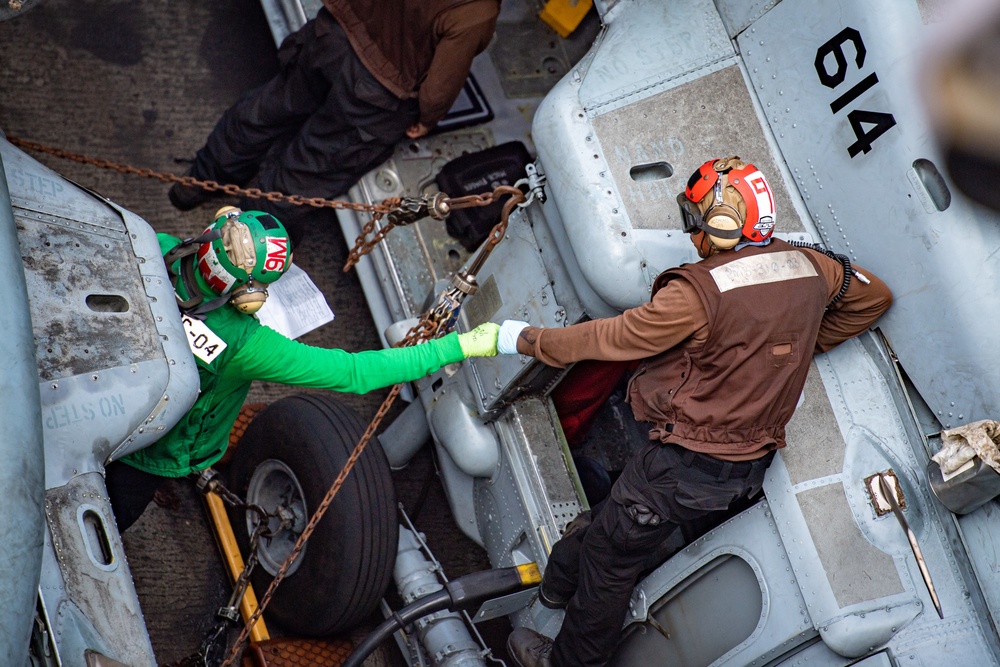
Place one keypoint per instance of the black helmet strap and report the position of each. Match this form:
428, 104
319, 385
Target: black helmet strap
190, 246
195, 305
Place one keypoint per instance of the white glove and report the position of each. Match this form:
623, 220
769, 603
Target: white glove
509, 331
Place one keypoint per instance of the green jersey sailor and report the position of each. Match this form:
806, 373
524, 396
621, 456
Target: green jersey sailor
220, 280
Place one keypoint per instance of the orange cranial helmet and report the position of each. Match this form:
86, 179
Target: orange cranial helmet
729, 200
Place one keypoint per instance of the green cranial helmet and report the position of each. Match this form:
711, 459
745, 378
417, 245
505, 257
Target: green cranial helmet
252, 250
253, 246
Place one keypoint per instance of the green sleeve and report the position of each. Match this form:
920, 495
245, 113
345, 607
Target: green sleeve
167, 242
272, 357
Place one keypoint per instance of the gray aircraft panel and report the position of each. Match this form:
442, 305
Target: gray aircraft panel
756, 595
96, 584
22, 473
514, 285
35, 187
647, 47
710, 116
619, 225
815, 446
604, 6
929, 257
92, 320
738, 14
114, 367
857, 571
875, 440
979, 530
933, 10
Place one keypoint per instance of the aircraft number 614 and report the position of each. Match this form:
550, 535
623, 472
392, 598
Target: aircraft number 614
876, 122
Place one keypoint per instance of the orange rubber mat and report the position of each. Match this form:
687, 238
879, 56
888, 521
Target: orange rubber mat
247, 413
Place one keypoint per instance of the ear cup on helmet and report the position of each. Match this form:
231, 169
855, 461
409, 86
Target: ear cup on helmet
249, 298
723, 218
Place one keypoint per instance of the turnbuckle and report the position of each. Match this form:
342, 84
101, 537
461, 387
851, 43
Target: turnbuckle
449, 301
411, 209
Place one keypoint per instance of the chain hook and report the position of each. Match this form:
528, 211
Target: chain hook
533, 185
444, 313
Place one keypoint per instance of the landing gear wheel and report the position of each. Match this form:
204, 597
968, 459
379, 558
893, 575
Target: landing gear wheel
288, 458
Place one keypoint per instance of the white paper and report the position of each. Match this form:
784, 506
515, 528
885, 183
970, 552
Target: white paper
294, 305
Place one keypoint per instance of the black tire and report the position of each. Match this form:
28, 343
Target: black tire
296, 447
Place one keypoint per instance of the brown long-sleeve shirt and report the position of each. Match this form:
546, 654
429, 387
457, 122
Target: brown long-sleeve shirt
418, 48
676, 315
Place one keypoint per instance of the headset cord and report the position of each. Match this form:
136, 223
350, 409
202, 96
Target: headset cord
849, 271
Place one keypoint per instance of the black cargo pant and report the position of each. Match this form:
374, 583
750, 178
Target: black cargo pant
130, 491
319, 125
599, 564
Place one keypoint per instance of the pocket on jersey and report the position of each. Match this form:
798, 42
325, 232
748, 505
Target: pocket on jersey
783, 350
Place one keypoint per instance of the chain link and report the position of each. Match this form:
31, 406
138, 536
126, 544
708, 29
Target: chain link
261, 530
211, 650
210, 186
364, 245
395, 207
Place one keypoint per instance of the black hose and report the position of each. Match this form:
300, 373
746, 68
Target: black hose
415, 610
459, 594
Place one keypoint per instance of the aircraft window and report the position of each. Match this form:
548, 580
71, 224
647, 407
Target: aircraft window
654, 171
933, 182
713, 610
98, 545
107, 303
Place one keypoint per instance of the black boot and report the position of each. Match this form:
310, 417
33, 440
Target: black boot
529, 649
